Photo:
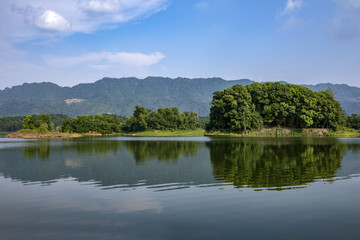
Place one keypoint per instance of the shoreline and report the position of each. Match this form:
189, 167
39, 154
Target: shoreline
43, 135
288, 132
266, 132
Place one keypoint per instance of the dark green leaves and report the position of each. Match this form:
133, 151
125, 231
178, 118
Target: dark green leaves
168, 118
242, 108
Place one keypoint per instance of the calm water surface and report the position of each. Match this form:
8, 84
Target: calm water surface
180, 188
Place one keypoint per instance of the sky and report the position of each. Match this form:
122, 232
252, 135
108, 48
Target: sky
70, 42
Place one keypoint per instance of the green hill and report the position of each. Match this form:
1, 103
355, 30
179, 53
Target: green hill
120, 96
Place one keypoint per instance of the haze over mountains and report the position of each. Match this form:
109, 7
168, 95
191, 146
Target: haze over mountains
121, 95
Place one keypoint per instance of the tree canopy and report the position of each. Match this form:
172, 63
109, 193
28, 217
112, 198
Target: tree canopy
353, 121
105, 124
168, 118
41, 123
242, 108
13, 124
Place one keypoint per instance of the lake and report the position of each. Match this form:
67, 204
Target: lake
180, 188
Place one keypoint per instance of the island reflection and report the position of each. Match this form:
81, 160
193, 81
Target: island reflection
276, 162
167, 151
256, 162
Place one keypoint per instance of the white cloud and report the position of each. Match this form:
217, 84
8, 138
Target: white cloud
291, 21
51, 20
201, 5
349, 3
106, 60
28, 19
93, 15
292, 6
99, 66
288, 14
108, 6
135, 59
345, 25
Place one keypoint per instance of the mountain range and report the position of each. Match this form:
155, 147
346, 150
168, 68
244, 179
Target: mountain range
121, 95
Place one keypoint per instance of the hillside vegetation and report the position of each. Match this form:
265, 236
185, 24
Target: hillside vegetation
120, 96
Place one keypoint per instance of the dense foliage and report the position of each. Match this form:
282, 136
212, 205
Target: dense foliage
13, 124
168, 118
42, 123
232, 109
353, 121
204, 121
242, 108
105, 124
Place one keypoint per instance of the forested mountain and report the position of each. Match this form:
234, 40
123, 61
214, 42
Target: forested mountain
120, 96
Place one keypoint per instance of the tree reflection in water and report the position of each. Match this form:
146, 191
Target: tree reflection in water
41, 150
275, 162
243, 162
166, 151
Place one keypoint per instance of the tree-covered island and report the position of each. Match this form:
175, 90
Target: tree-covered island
243, 108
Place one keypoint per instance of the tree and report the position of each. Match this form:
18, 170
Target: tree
353, 121
30, 122
168, 118
233, 110
242, 108
93, 124
44, 121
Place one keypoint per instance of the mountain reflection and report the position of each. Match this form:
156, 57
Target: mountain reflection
275, 162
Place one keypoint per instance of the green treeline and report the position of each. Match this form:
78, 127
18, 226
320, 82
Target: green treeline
353, 121
13, 124
142, 120
105, 124
168, 118
241, 108
43, 122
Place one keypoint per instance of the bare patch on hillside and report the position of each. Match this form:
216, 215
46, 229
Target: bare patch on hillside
74, 100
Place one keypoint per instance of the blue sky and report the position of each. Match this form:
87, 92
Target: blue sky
77, 41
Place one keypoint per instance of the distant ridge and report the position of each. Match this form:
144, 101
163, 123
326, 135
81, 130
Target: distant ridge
121, 95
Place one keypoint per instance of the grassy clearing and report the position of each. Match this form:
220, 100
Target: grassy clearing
346, 132
31, 131
34, 134
177, 133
